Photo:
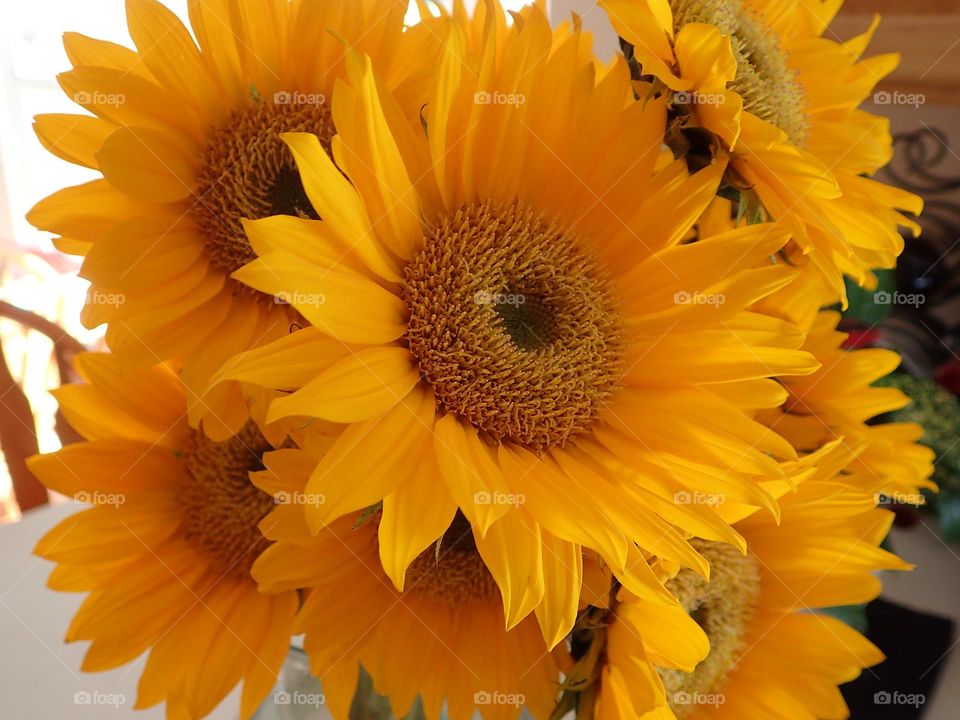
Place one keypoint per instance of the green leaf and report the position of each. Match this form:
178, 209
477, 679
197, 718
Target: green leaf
367, 513
937, 411
368, 704
749, 208
853, 615
948, 514
423, 121
871, 306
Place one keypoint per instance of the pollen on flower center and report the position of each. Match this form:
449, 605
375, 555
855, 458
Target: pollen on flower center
766, 82
723, 607
248, 172
220, 506
513, 324
454, 573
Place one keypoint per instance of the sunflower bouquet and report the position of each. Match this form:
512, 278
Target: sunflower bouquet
503, 374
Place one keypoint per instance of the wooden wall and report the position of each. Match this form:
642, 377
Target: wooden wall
927, 35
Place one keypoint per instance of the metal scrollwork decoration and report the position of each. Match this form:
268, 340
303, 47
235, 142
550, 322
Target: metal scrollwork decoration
927, 334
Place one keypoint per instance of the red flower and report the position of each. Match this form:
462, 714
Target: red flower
861, 338
948, 375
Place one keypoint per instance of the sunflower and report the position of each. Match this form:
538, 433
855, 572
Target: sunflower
442, 637
500, 311
187, 140
840, 401
165, 552
761, 651
801, 300
784, 103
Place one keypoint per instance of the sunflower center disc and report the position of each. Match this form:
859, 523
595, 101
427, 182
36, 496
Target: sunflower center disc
723, 607
513, 324
221, 507
454, 574
764, 79
248, 172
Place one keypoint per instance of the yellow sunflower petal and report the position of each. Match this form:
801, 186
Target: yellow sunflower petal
370, 459
147, 164
329, 297
519, 575
366, 383
415, 515
166, 48
562, 575
368, 154
339, 204
75, 138
471, 473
